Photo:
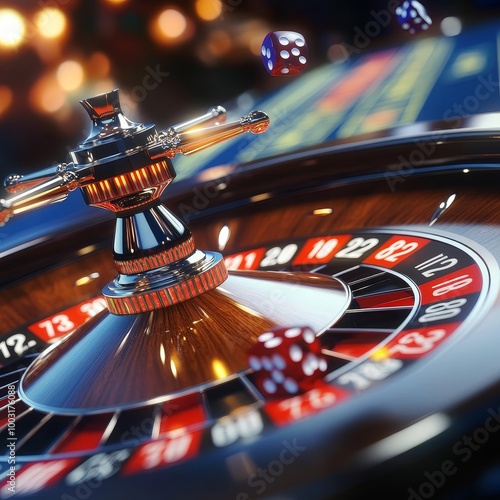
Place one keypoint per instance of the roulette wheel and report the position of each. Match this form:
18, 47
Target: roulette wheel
385, 246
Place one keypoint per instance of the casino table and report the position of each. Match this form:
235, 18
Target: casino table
362, 207
433, 79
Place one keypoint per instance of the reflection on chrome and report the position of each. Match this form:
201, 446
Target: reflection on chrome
224, 235
408, 438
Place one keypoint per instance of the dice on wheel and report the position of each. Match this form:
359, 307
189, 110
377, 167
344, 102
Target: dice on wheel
413, 17
284, 53
287, 361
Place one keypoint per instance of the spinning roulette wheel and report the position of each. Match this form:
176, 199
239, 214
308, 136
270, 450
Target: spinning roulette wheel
142, 384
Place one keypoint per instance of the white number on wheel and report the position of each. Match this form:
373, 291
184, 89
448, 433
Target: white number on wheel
229, 429
60, 323
357, 247
443, 310
368, 372
166, 451
436, 264
94, 307
98, 467
18, 343
396, 250
277, 255
322, 248
422, 342
240, 261
450, 285
298, 406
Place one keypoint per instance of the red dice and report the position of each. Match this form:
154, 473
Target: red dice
287, 361
284, 53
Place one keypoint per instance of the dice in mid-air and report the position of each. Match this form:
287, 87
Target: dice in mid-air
284, 53
413, 17
287, 361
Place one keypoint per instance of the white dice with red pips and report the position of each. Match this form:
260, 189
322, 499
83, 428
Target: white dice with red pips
287, 361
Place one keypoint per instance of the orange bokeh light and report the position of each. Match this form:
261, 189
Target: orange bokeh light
6, 98
171, 26
47, 96
208, 10
50, 22
70, 75
98, 65
12, 28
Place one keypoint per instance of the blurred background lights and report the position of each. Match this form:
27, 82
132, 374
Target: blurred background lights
252, 34
171, 24
103, 85
219, 43
337, 53
451, 26
70, 75
210, 48
12, 28
98, 65
208, 10
47, 96
50, 22
6, 98
321, 212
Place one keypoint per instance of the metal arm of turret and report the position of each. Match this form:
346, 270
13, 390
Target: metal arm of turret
116, 147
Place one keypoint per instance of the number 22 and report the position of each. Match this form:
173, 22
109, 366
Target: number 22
356, 248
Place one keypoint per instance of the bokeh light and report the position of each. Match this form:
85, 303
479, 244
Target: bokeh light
12, 28
170, 26
252, 34
451, 26
337, 53
98, 65
102, 86
172, 23
70, 75
6, 98
219, 43
208, 10
50, 22
46, 96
